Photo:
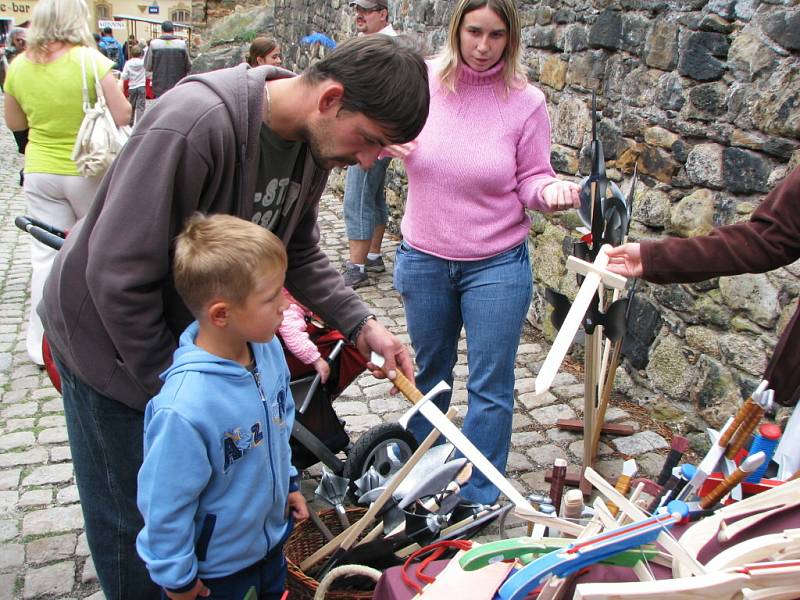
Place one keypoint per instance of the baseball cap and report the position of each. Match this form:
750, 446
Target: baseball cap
371, 4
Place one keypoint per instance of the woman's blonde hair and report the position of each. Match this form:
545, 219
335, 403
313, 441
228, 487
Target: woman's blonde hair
59, 21
514, 71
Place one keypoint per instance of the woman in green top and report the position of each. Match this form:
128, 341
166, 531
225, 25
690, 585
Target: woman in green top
43, 94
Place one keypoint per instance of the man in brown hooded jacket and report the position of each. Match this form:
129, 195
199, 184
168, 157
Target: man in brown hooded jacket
770, 239
255, 143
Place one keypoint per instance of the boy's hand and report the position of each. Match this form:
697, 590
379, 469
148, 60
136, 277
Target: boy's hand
198, 591
297, 506
322, 367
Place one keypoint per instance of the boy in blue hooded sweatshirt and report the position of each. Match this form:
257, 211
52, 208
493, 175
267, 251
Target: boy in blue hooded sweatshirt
217, 485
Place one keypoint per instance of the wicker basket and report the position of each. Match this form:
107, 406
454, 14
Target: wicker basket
303, 542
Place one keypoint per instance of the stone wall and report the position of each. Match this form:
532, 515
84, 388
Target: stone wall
705, 98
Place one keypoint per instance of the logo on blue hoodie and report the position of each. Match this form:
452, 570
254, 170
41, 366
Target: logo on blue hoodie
236, 444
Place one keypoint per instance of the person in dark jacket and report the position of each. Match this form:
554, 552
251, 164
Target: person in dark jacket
770, 239
254, 143
167, 59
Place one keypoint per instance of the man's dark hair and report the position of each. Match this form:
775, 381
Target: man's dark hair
106, 30
167, 27
384, 78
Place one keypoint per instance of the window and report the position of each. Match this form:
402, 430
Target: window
181, 15
102, 11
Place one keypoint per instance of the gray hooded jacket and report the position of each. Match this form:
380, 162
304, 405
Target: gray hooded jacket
110, 309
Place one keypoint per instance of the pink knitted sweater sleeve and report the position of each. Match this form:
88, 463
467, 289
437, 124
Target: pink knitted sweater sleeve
293, 332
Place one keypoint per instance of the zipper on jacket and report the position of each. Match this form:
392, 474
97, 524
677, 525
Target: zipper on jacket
267, 432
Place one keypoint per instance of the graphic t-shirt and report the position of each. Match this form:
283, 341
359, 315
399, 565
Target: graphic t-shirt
276, 191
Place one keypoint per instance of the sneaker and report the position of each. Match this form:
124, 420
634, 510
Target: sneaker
375, 265
354, 277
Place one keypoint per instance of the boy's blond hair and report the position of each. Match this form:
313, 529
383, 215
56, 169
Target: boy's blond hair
221, 256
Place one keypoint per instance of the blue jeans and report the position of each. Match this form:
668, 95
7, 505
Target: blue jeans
267, 577
490, 298
365, 199
105, 437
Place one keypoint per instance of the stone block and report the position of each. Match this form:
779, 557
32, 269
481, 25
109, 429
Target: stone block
526, 440
9, 479
639, 443
532, 400
694, 214
350, 408
49, 549
35, 498
652, 208
744, 352
553, 72
704, 165
11, 556
571, 122
774, 109
9, 528
670, 92
745, 172
754, 294
19, 439
669, 371
607, 31
387, 405
587, 70
700, 54
548, 415
57, 579
545, 456
49, 474
53, 435
52, 520
661, 46
68, 495
517, 462
8, 585
89, 573
749, 57
784, 27
361, 423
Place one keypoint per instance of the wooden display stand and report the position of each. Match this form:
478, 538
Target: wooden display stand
599, 366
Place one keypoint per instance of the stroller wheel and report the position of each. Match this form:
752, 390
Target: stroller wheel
386, 447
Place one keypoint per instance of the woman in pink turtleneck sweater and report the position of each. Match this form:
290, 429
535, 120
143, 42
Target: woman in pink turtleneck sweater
481, 160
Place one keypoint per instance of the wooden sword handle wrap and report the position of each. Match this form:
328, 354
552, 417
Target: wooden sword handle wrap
402, 383
724, 486
744, 411
623, 486
744, 432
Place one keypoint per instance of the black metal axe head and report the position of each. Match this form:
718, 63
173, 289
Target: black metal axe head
560, 304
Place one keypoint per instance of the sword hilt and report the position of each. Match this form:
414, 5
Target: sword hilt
750, 464
745, 430
409, 390
744, 410
623, 486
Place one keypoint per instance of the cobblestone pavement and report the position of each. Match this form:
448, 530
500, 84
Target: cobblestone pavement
43, 550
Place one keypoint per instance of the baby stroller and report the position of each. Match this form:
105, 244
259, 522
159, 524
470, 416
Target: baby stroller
318, 434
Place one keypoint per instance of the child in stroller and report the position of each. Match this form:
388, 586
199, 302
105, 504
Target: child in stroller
318, 433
